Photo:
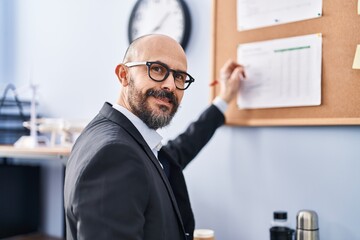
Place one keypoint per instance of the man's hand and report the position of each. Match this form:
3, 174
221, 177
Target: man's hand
231, 75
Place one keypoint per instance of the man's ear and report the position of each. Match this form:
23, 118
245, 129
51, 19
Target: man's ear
122, 73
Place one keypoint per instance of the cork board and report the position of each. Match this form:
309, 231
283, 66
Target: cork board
340, 28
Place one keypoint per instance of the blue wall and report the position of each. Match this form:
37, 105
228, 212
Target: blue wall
7, 41
254, 171
244, 174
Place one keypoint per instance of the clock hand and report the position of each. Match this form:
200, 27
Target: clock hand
161, 22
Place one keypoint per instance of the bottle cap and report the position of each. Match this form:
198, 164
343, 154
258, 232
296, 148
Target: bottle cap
307, 220
205, 233
280, 215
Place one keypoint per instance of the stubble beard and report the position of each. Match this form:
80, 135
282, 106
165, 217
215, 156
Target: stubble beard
153, 118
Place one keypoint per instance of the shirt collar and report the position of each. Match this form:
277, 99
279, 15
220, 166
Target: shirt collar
152, 137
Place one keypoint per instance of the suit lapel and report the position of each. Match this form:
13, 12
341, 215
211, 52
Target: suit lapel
115, 116
155, 161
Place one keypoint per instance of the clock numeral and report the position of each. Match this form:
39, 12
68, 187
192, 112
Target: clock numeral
138, 16
134, 32
178, 13
144, 3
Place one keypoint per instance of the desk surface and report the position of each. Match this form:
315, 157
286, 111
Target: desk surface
33, 237
10, 151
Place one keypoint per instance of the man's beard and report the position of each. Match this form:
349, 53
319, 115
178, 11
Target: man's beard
140, 107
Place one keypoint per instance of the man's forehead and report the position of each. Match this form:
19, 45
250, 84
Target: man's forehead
168, 54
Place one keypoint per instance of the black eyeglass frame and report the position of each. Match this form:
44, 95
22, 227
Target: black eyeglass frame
168, 70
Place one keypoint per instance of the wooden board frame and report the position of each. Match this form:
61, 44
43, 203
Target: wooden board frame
340, 28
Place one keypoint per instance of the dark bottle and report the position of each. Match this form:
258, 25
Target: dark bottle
280, 229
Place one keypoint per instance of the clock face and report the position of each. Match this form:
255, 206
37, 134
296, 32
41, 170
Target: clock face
168, 17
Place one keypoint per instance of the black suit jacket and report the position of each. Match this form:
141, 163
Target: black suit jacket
115, 187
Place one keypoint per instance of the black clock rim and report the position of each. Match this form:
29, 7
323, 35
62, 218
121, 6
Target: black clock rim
187, 24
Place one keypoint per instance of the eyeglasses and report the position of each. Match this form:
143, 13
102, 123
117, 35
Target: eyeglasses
159, 71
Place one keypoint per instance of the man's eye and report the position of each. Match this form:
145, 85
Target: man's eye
180, 77
158, 69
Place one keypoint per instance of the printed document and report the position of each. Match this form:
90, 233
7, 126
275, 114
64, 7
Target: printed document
281, 73
262, 13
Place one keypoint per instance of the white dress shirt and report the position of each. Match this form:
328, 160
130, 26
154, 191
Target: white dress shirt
151, 137
220, 104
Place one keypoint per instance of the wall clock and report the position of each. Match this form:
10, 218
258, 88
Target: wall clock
168, 17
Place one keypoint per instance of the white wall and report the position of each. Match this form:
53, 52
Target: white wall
70, 48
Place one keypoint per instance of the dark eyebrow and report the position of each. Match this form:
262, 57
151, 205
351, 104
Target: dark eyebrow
176, 70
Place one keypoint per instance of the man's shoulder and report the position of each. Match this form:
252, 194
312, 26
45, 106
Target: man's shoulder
99, 142
102, 132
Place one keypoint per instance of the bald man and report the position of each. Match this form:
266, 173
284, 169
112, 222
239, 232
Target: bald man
120, 182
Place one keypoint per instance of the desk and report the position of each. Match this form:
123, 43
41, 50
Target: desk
53, 154
50, 153
33, 237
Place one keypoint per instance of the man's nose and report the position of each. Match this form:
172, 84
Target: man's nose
169, 83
